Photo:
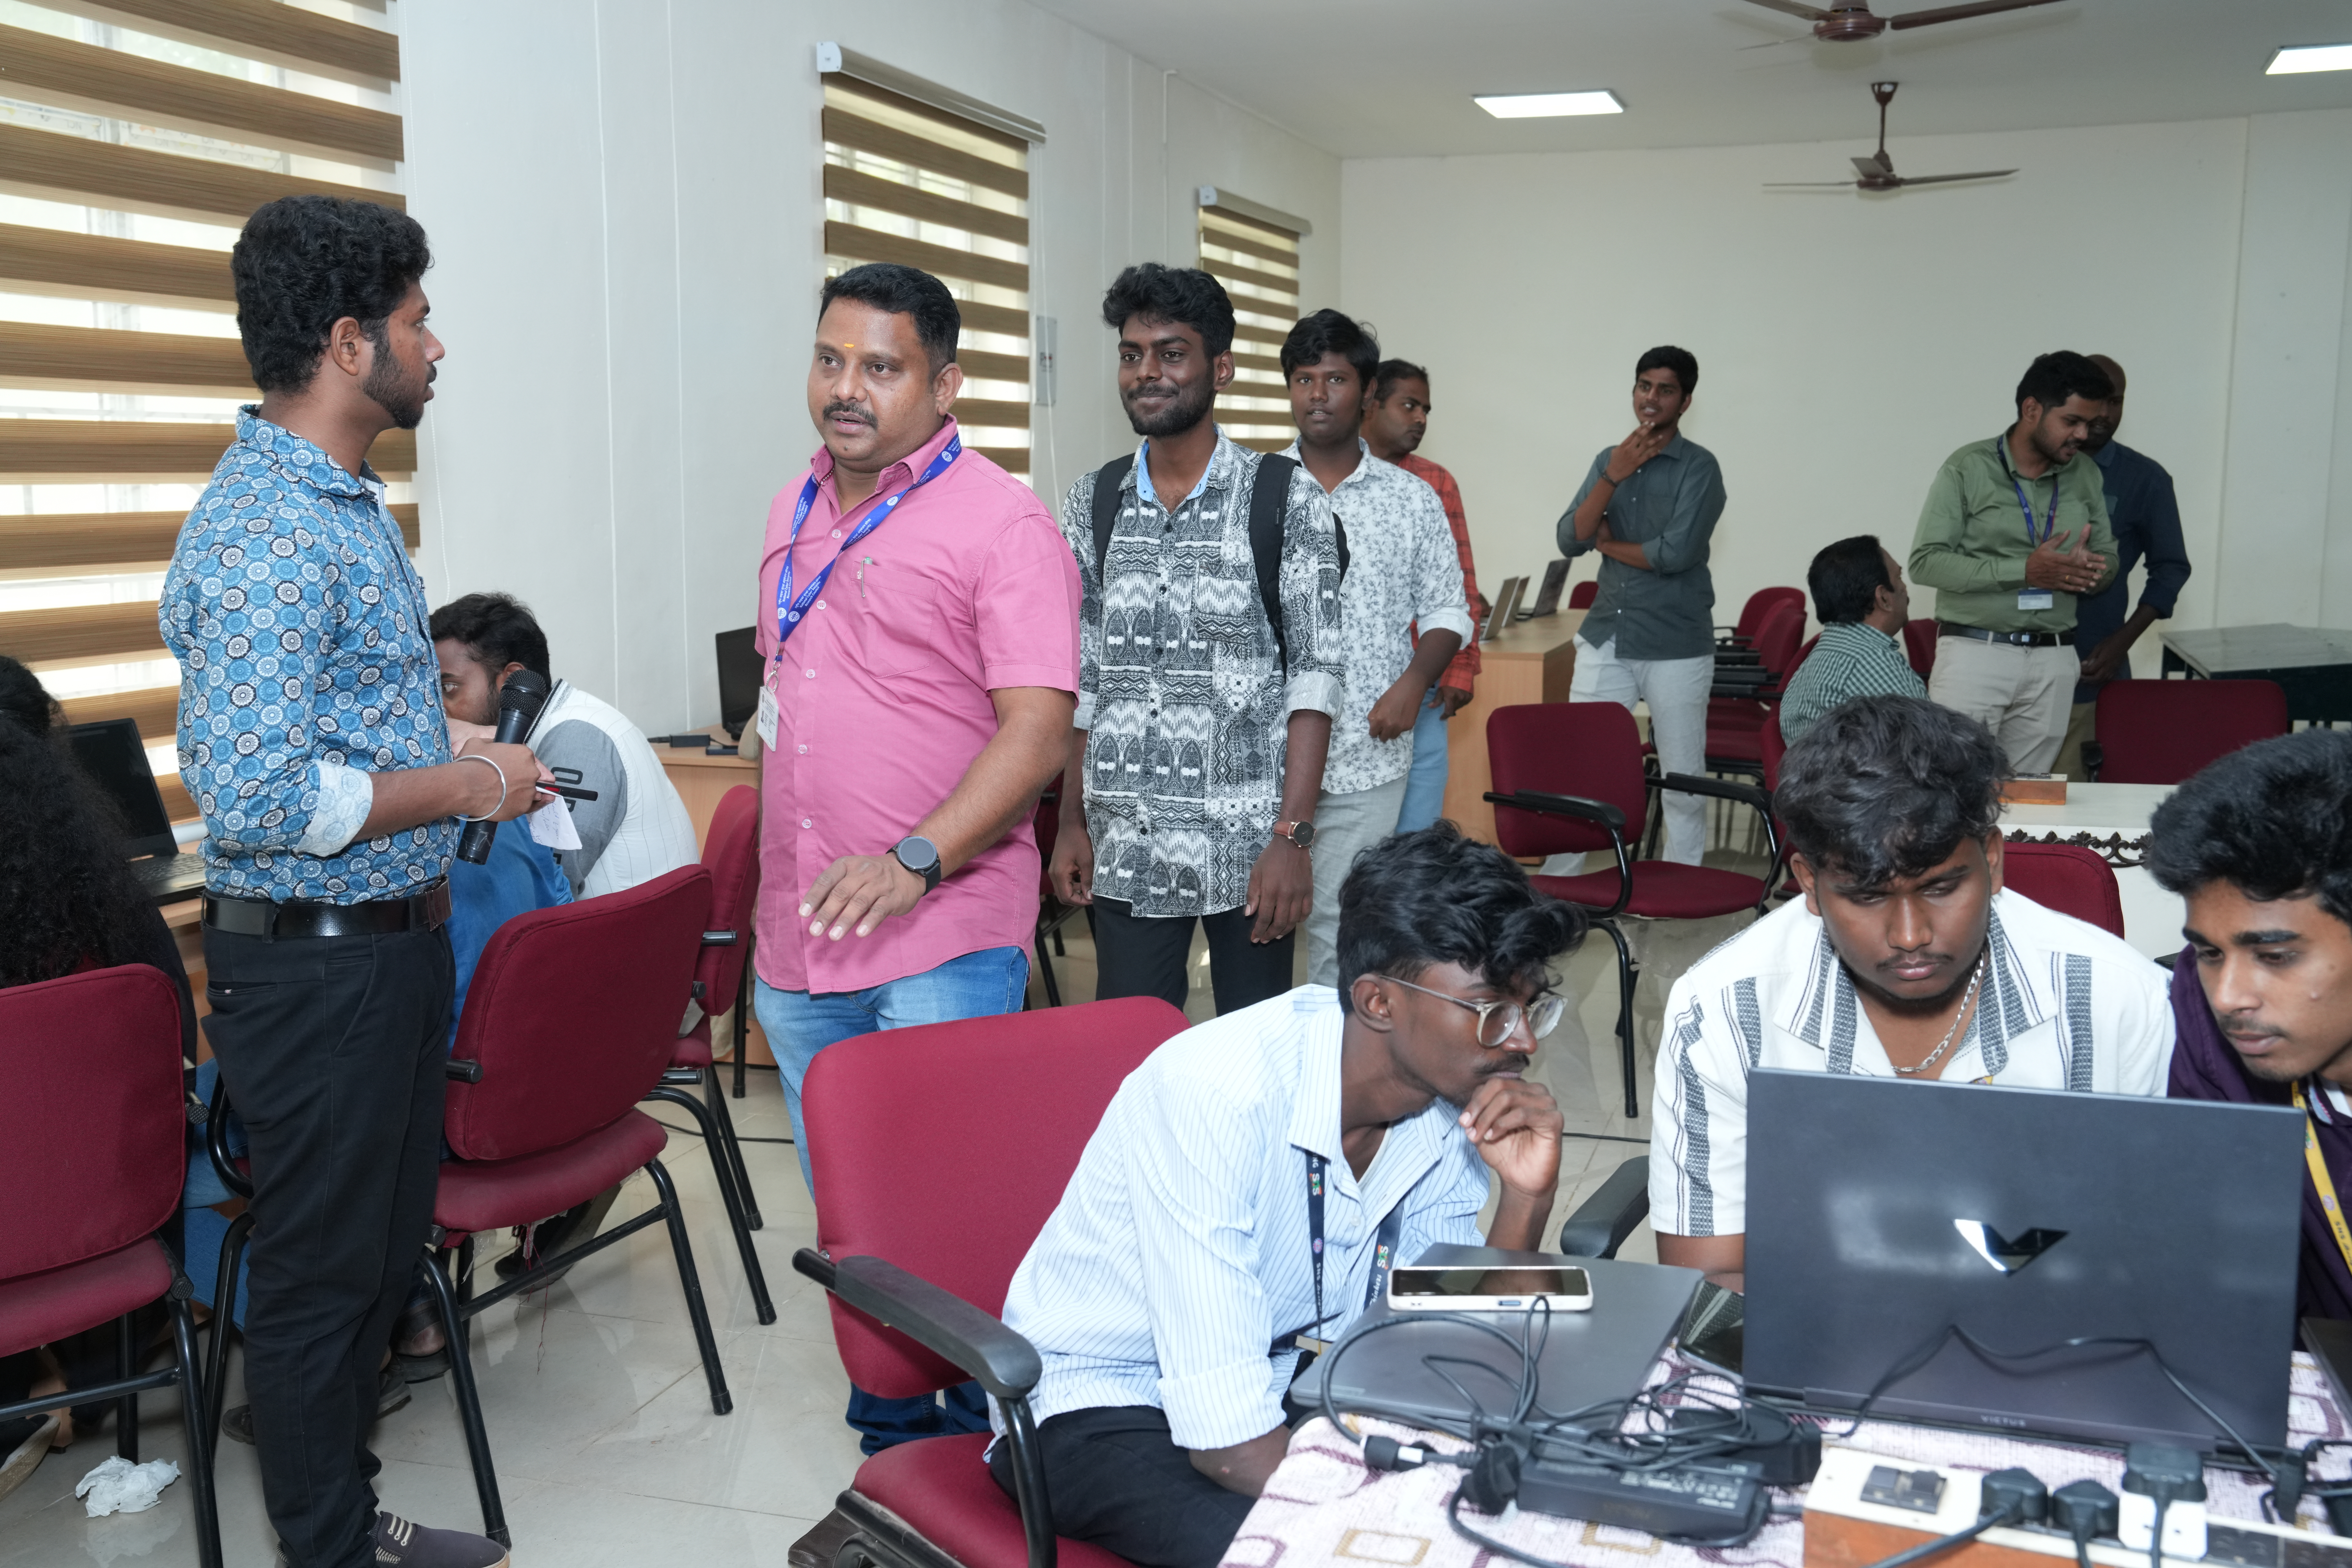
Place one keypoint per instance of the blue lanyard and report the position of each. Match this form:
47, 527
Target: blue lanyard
789, 610
2001, 443
1384, 1246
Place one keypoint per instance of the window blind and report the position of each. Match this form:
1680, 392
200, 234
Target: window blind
1257, 262
908, 182
131, 151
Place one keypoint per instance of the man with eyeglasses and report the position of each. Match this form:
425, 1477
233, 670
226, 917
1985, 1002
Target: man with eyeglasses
1253, 1183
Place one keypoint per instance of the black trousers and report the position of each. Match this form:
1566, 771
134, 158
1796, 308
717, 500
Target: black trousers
1143, 955
1118, 1479
333, 1049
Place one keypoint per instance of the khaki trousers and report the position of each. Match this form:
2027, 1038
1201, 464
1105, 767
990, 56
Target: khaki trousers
2023, 695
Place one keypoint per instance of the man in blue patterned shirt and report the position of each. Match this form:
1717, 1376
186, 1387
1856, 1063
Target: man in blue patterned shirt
313, 739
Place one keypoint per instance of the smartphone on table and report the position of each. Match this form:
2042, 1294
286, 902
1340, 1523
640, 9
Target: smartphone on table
1567, 1290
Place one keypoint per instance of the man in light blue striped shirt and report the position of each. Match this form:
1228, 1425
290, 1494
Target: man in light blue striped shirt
1166, 1290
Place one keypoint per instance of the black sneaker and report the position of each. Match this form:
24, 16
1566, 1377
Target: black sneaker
400, 1544
392, 1394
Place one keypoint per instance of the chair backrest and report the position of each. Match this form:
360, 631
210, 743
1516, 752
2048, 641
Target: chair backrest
2160, 732
2066, 878
1777, 643
574, 1015
1773, 747
731, 855
1588, 749
92, 1131
1919, 646
1580, 597
1758, 610
1035, 1084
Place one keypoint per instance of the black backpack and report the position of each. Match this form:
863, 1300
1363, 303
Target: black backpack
1268, 497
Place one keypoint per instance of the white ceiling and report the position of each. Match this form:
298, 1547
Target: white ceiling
1393, 77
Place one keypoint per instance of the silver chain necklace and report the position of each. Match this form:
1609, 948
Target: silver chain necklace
1954, 1032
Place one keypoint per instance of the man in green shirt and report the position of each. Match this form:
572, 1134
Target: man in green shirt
2013, 533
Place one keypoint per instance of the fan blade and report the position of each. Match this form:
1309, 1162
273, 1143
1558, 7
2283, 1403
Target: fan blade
1946, 179
1955, 13
1774, 42
1808, 184
1878, 164
1792, 7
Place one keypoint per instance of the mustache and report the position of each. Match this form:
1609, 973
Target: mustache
2241, 1024
841, 409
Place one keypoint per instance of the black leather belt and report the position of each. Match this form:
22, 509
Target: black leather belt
2014, 639
427, 910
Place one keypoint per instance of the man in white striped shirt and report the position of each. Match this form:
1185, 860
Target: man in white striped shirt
1904, 959
1167, 1291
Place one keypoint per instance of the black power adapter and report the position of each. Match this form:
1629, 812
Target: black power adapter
1786, 1452
1706, 1502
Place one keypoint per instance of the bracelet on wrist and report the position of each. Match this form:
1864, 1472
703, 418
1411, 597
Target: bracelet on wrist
478, 757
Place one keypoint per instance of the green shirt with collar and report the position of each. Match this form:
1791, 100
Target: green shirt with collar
1971, 545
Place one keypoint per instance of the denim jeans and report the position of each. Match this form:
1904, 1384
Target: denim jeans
799, 1025
1424, 787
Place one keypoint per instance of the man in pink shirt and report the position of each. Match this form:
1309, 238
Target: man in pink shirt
919, 614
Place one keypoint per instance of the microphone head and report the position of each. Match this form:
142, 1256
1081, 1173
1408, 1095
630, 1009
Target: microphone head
524, 692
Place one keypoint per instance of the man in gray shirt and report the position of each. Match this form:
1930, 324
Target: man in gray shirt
1649, 506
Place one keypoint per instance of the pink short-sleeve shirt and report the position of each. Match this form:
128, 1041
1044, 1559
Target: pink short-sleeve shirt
882, 703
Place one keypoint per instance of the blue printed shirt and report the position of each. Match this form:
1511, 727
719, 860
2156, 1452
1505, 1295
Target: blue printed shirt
306, 666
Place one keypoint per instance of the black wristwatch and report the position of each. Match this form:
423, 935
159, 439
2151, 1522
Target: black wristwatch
1301, 833
920, 855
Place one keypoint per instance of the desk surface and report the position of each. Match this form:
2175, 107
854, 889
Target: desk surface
2094, 807
2227, 650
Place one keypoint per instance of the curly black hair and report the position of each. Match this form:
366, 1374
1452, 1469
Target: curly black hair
2274, 821
1414, 899
1327, 331
304, 263
70, 901
1183, 295
1882, 787
499, 629
23, 699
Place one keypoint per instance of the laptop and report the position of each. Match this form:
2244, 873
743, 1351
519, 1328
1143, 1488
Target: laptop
1555, 578
1507, 602
1432, 1370
112, 755
1882, 1215
739, 680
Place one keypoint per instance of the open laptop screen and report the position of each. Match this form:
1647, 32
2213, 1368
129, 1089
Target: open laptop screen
112, 752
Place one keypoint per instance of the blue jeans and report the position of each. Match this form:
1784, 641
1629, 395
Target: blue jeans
1424, 788
799, 1025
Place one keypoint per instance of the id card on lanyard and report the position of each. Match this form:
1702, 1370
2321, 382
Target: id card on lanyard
792, 607
2030, 598
1384, 1246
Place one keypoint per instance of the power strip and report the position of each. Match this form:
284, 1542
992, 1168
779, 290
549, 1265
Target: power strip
1863, 1506
1703, 1502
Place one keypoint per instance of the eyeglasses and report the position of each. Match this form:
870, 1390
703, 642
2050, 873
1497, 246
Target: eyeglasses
1498, 1021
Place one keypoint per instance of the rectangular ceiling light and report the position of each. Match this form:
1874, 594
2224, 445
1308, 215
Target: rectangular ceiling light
2317, 57
1544, 105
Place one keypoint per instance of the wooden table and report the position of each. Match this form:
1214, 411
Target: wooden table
2312, 664
1532, 662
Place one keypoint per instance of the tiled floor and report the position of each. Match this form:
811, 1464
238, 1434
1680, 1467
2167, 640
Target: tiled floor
598, 1414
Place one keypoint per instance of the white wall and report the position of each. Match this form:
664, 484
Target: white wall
624, 209
1848, 343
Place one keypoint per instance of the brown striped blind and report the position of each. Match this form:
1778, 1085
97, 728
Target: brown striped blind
1257, 262
909, 181
136, 136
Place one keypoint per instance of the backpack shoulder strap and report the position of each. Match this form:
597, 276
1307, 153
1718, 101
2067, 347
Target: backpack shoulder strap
1108, 480
1269, 503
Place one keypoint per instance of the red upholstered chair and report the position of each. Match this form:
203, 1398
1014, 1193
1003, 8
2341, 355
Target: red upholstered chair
1754, 614
2160, 732
730, 853
896, 1246
1580, 597
1919, 646
569, 1022
1743, 698
1568, 779
2066, 878
92, 1154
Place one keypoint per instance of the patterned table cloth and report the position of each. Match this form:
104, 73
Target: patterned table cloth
1322, 1505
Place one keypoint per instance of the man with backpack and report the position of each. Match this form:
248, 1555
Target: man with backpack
1209, 668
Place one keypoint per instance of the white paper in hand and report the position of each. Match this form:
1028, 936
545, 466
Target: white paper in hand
118, 1486
552, 826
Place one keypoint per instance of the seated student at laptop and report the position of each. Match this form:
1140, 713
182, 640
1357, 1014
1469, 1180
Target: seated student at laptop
2260, 845
1904, 959
637, 828
1166, 1290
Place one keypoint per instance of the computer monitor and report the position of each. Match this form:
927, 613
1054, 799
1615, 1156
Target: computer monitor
1936, 1244
112, 752
739, 678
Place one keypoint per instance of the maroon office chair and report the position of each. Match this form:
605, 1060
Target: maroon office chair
2161, 731
93, 1154
1580, 597
570, 1022
1754, 614
730, 853
1568, 779
1919, 646
918, 1269
2066, 878
1744, 697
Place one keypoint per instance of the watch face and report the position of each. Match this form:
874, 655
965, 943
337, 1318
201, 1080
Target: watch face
918, 854
1303, 833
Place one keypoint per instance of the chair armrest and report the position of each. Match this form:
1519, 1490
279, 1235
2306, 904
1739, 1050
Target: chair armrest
216, 1143
720, 939
1603, 1221
1727, 656
1007, 1365
461, 1069
1599, 811
1721, 789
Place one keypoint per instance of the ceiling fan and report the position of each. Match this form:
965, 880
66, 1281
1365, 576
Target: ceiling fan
1852, 22
1877, 171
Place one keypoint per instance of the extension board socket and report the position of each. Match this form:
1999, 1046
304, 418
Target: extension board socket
1844, 1529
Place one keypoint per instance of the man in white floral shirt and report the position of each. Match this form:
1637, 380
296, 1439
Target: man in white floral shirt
1397, 566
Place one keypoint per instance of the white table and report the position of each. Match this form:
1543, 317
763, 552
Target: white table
2113, 817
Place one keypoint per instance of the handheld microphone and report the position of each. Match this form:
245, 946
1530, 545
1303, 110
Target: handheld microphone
518, 704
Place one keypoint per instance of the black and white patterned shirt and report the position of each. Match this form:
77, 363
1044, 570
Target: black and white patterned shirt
2063, 1005
1181, 687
